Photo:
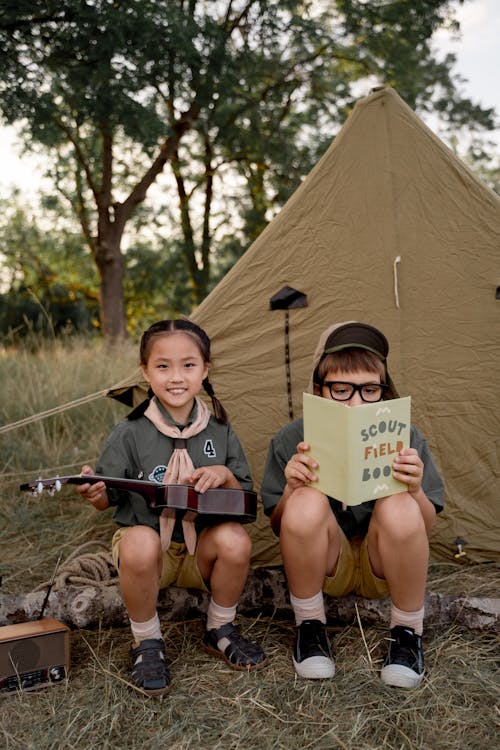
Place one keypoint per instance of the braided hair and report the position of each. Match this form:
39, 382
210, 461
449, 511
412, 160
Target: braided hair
202, 341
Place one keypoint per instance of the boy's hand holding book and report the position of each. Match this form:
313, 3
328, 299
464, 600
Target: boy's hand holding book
300, 470
408, 468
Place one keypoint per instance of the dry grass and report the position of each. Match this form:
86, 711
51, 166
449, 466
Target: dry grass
212, 706
209, 705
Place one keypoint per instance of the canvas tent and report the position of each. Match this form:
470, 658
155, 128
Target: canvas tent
392, 229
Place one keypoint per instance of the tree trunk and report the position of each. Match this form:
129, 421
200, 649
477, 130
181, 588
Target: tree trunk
265, 595
113, 314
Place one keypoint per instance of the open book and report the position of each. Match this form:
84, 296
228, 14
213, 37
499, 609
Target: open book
356, 445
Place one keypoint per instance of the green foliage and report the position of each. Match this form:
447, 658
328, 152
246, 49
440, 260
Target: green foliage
157, 285
239, 98
24, 313
42, 274
50, 284
484, 165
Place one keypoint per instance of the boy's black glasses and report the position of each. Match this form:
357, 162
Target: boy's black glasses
369, 392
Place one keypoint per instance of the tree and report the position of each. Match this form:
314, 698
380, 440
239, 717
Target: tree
239, 97
484, 165
49, 282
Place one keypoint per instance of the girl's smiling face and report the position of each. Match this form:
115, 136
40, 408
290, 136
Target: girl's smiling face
175, 370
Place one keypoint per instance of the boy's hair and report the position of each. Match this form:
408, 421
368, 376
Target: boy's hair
352, 346
202, 341
350, 361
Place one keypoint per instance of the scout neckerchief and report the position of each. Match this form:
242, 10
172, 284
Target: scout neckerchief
180, 467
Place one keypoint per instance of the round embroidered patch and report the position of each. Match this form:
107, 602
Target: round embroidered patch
157, 474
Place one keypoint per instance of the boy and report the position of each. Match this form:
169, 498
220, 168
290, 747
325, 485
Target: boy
374, 549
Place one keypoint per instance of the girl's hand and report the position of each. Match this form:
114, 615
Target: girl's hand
409, 468
94, 493
300, 468
208, 477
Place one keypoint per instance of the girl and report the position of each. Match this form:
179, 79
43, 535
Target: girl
163, 440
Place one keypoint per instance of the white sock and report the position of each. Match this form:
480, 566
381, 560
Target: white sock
218, 616
413, 620
144, 630
308, 609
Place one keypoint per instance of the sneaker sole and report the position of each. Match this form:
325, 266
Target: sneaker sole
240, 668
396, 675
315, 668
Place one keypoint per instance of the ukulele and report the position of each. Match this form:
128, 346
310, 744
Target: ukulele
215, 505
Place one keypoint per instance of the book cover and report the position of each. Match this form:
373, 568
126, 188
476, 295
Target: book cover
356, 445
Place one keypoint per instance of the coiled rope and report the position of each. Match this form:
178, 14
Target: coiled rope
85, 568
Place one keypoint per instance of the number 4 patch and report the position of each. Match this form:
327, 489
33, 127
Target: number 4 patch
209, 449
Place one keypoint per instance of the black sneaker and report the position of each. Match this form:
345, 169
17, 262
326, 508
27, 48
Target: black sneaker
404, 665
312, 655
149, 668
240, 653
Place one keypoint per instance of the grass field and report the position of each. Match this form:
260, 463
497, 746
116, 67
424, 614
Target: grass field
209, 705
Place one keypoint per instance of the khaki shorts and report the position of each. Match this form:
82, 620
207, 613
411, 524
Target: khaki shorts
179, 568
354, 574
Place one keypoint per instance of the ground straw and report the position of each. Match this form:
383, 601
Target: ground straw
209, 705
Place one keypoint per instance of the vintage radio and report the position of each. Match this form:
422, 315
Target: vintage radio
34, 655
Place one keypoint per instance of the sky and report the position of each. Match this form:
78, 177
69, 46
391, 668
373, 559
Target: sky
478, 60
477, 51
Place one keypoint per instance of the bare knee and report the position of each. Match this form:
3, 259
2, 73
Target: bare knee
140, 550
398, 516
306, 511
230, 542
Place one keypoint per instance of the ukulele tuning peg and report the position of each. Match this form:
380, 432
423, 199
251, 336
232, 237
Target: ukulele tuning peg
54, 487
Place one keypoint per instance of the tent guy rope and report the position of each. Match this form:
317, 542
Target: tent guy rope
54, 410
59, 409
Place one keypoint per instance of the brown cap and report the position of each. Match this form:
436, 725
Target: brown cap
353, 334
360, 335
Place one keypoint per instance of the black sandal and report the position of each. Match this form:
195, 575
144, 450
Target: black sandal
241, 653
149, 668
